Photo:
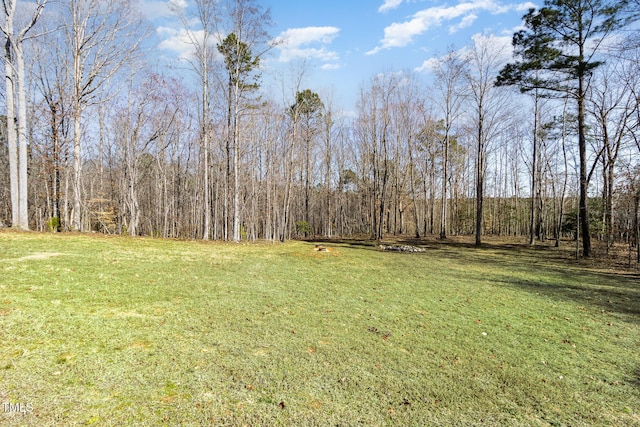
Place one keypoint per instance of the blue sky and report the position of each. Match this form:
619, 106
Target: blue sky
345, 42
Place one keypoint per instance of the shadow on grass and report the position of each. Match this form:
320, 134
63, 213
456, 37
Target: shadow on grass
459, 247
621, 298
542, 270
574, 280
355, 243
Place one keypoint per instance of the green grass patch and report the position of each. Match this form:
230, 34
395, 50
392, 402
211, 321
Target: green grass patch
134, 331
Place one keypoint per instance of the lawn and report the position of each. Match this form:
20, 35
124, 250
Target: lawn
123, 331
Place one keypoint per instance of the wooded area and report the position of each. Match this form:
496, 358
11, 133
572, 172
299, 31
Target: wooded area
539, 141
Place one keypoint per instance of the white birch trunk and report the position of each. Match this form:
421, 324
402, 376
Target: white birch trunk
23, 210
12, 137
16, 88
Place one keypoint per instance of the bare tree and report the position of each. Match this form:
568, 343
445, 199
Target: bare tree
374, 127
52, 82
308, 112
139, 127
16, 102
484, 57
288, 144
102, 37
202, 39
5, 187
449, 96
246, 41
407, 112
330, 130
613, 105
557, 52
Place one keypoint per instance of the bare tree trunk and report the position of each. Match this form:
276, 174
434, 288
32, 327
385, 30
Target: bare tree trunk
488, 104
23, 211
228, 157
412, 187
66, 214
12, 135
637, 225
236, 166
77, 38
17, 115
102, 37
77, 170
205, 140
134, 208
534, 170
584, 182
329, 147
383, 186
480, 177
445, 178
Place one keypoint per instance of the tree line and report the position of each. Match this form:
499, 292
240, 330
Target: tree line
536, 139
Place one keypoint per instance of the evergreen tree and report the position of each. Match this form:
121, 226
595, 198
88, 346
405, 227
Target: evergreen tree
556, 52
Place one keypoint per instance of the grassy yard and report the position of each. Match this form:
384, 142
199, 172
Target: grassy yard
120, 331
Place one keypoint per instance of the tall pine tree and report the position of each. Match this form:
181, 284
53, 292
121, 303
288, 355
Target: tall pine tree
556, 52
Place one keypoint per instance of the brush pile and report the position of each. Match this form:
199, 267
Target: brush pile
400, 248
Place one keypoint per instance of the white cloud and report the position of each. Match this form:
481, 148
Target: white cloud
400, 34
389, 4
288, 55
500, 47
308, 43
524, 7
466, 22
177, 4
155, 9
511, 31
429, 65
295, 37
172, 33
182, 42
331, 66
176, 41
